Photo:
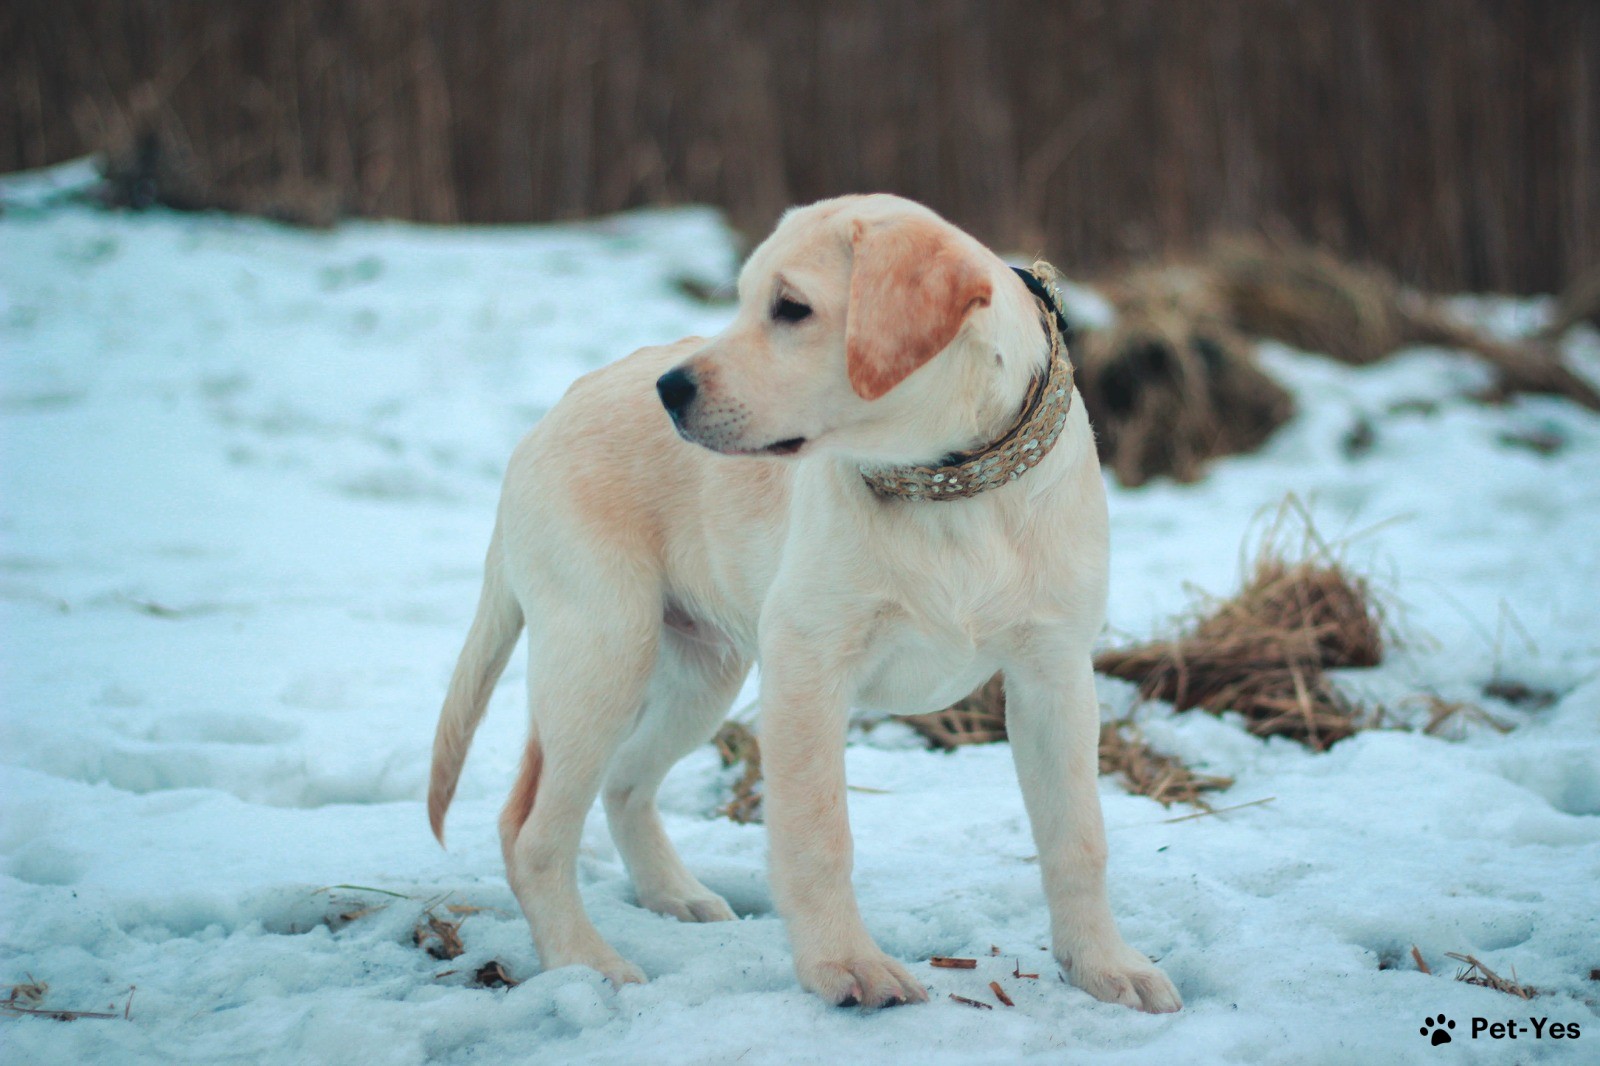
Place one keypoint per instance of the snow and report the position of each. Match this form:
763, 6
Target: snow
247, 475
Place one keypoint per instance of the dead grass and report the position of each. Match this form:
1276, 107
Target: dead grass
1264, 653
149, 160
1214, 811
1173, 383
493, 974
1453, 716
1081, 127
736, 744
438, 936
1476, 973
26, 1000
1307, 297
1520, 694
1147, 772
964, 1001
979, 718
342, 910
1579, 302
29, 993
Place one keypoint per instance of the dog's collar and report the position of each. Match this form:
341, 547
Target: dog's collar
1019, 449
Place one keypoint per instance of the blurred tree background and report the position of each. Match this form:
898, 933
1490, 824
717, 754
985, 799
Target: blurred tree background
1456, 142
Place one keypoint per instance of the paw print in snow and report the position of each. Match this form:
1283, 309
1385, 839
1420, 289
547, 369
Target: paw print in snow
1440, 1028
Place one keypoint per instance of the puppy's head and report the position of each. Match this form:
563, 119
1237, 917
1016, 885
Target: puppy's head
838, 311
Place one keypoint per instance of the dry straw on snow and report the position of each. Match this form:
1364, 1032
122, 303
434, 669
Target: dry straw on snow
736, 744
1172, 383
1579, 302
1309, 298
149, 159
1264, 652
980, 718
1147, 772
26, 1000
1476, 973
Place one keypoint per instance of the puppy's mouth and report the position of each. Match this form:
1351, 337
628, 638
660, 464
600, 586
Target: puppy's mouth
784, 447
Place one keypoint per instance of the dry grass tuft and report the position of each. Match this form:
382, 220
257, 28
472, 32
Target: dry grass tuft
342, 910
493, 974
1519, 694
351, 911
1146, 772
1219, 810
1307, 297
438, 936
1476, 973
1172, 382
1456, 714
29, 993
26, 1000
979, 718
1579, 302
1264, 652
736, 744
149, 160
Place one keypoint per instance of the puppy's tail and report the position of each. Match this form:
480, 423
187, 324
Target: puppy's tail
494, 633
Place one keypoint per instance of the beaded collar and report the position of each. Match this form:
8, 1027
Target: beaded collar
1038, 425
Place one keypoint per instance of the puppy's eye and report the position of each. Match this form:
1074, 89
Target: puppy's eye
787, 310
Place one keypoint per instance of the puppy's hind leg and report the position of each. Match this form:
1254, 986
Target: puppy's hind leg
689, 695
586, 684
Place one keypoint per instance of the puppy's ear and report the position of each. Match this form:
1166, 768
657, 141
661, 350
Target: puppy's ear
911, 288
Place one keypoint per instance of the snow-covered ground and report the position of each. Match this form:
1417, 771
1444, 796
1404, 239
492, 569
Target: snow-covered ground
246, 478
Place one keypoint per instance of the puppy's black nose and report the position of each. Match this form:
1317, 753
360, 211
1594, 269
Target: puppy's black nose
676, 389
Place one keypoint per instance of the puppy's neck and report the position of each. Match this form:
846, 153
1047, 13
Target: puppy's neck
1003, 359
970, 395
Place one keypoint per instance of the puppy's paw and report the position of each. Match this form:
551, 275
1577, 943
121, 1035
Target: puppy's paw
1120, 974
619, 971
613, 967
702, 906
870, 979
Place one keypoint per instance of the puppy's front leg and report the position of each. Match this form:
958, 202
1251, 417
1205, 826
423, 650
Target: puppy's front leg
804, 715
1053, 719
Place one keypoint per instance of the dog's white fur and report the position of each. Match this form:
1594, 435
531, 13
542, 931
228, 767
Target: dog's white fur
653, 571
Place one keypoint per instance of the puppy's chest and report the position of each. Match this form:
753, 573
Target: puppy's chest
914, 672
942, 636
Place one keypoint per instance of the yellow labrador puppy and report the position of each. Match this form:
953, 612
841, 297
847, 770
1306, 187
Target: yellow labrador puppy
876, 484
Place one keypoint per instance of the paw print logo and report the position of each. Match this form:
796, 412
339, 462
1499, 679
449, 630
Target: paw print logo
1440, 1028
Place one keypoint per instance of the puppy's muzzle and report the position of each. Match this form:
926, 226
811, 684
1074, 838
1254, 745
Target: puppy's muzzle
677, 390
